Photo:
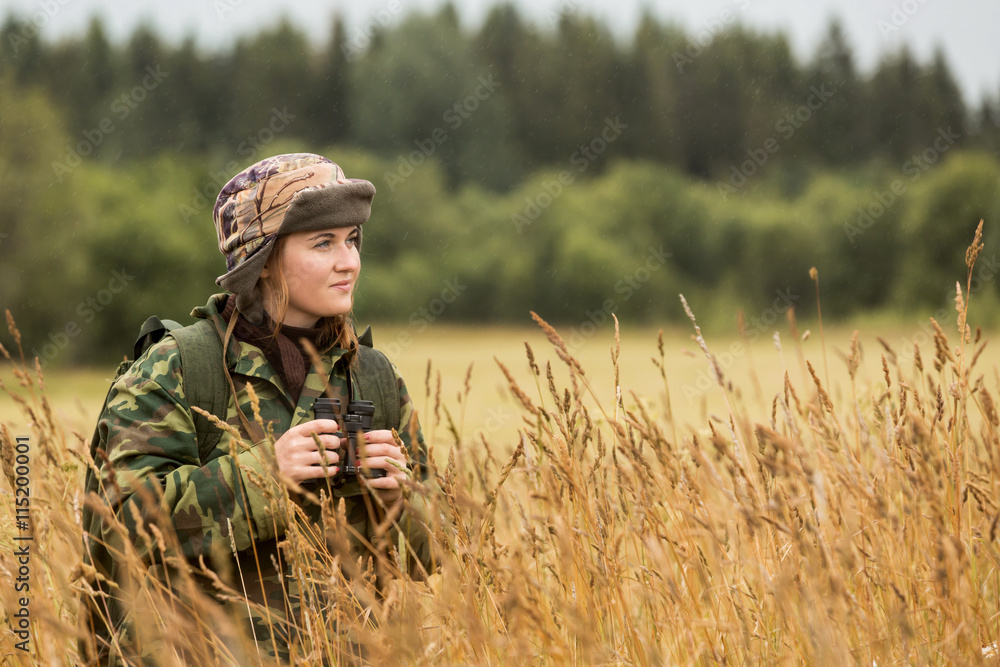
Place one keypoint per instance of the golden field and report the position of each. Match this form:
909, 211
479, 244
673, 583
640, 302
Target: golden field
448, 351
846, 514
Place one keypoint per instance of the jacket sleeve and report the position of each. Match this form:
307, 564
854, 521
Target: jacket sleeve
153, 473
414, 523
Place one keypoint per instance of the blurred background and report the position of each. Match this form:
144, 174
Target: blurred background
573, 158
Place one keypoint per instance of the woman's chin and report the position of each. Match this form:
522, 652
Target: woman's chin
339, 307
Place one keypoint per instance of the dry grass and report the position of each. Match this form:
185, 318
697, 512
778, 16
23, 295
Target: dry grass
798, 524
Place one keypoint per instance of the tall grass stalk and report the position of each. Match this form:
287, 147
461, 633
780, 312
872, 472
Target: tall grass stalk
834, 528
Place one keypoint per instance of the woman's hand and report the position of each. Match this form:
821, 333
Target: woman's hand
299, 458
381, 451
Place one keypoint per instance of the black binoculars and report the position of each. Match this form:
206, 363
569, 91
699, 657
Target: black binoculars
353, 423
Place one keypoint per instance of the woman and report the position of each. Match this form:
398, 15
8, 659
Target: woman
290, 228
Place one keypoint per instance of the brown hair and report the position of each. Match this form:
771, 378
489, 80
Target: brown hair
336, 330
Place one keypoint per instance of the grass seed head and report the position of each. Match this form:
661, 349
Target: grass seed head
854, 357
972, 253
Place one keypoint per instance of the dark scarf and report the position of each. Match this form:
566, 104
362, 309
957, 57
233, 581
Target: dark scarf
285, 352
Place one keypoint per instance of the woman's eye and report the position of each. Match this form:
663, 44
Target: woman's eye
353, 240
323, 244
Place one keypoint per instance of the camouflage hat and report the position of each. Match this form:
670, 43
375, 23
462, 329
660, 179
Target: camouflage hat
274, 197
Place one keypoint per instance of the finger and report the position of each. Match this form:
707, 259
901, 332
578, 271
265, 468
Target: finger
317, 472
388, 438
305, 452
379, 436
391, 466
313, 441
371, 450
316, 458
318, 426
389, 482
388, 464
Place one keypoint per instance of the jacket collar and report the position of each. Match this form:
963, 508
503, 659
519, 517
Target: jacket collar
247, 359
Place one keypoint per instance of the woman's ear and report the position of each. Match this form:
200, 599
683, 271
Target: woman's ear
264, 273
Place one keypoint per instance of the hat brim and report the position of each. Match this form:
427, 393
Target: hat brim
333, 205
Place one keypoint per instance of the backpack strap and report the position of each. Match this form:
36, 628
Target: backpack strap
376, 381
205, 384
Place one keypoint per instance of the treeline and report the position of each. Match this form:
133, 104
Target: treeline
519, 167
83, 263
495, 103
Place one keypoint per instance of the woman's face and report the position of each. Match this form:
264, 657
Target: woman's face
320, 269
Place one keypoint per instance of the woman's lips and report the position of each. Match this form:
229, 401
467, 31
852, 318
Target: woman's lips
343, 286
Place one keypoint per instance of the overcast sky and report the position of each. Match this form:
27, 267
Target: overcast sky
965, 29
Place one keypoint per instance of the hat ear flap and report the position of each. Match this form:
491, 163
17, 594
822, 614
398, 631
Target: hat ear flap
251, 304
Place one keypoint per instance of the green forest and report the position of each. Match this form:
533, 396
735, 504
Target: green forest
546, 166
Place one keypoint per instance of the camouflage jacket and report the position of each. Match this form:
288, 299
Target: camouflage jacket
232, 503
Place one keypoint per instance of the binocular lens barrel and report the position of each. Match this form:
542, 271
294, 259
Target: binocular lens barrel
357, 419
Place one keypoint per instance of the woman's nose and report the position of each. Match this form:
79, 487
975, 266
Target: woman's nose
348, 259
